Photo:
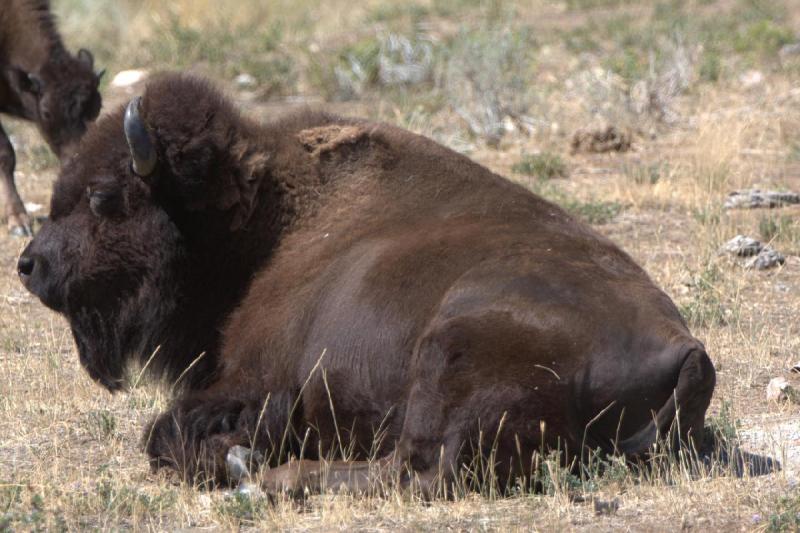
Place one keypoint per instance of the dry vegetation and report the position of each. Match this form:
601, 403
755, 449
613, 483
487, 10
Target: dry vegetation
507, 82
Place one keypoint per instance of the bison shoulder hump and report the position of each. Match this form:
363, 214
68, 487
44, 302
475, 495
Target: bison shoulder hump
342, 140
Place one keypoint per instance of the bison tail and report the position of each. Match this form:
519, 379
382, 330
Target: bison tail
685, 408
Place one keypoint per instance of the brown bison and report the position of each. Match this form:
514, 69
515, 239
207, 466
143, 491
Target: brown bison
318, 284
41, 82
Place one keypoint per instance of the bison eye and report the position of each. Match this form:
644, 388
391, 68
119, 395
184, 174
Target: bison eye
105, 203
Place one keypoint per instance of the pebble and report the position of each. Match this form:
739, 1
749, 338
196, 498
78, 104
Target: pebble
779, 390
245, 80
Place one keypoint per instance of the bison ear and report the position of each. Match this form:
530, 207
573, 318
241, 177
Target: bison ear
86, 57
140, 143
23, 82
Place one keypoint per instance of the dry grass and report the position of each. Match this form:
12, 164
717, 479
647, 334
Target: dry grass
69, 452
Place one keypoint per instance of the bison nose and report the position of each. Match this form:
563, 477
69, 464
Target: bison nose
25, 266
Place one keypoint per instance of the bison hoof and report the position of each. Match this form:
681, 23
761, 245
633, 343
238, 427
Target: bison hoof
20, 226
239, 459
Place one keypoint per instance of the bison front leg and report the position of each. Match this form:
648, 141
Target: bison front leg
195, 435
193, 439
19, 222
301, 477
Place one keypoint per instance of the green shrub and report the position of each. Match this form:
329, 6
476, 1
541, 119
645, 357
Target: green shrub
542, 166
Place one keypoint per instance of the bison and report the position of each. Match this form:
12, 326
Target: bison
41, 82
317, 285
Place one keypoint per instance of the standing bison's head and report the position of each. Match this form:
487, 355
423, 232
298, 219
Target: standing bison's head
62, 98
135, 251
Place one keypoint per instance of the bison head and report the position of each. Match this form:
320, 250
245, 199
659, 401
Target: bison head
62, 98
133, 253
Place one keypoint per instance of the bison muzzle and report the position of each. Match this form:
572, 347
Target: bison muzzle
321, 286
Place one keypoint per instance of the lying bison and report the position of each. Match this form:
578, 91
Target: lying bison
320, 283
41, 82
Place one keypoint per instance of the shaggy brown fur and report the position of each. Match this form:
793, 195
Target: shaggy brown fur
41, 82
353, 284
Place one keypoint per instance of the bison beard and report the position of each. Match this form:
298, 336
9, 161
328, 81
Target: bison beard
355, 290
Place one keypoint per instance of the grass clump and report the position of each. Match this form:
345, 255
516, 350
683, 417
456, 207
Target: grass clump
102, 424
591, 211
786, 517
710, 66
781, 228
127, 501
595, 212
544, 166
487, 79
707, 307
243, 509
645, 174
762, 37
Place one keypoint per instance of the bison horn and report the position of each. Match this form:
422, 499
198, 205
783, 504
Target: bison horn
143, 153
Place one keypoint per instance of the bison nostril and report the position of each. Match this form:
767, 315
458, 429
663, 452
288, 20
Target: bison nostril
25, 265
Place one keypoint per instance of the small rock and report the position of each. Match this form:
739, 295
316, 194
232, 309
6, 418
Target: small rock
751, 78
796, 368
743, 246
756, 198
603, 507
250, 490
32, 207
779, 390
781, 287
791, 49
601, 139
245, 80
126, 78
766, 258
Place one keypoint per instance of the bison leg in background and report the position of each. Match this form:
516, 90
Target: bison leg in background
19, 222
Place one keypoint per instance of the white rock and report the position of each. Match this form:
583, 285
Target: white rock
751, 78
778, 390
245, 80
756, 198
32, 207
743, 246
126, 78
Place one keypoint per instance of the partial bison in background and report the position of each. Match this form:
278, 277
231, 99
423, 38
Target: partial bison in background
320, 284
41, 82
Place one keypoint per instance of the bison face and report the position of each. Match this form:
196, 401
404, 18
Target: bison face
62, 99
140, 250
107, 256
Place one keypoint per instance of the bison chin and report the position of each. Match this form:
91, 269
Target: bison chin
99, 348
108, 337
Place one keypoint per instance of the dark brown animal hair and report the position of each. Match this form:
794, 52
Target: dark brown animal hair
326, 286
40, 81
